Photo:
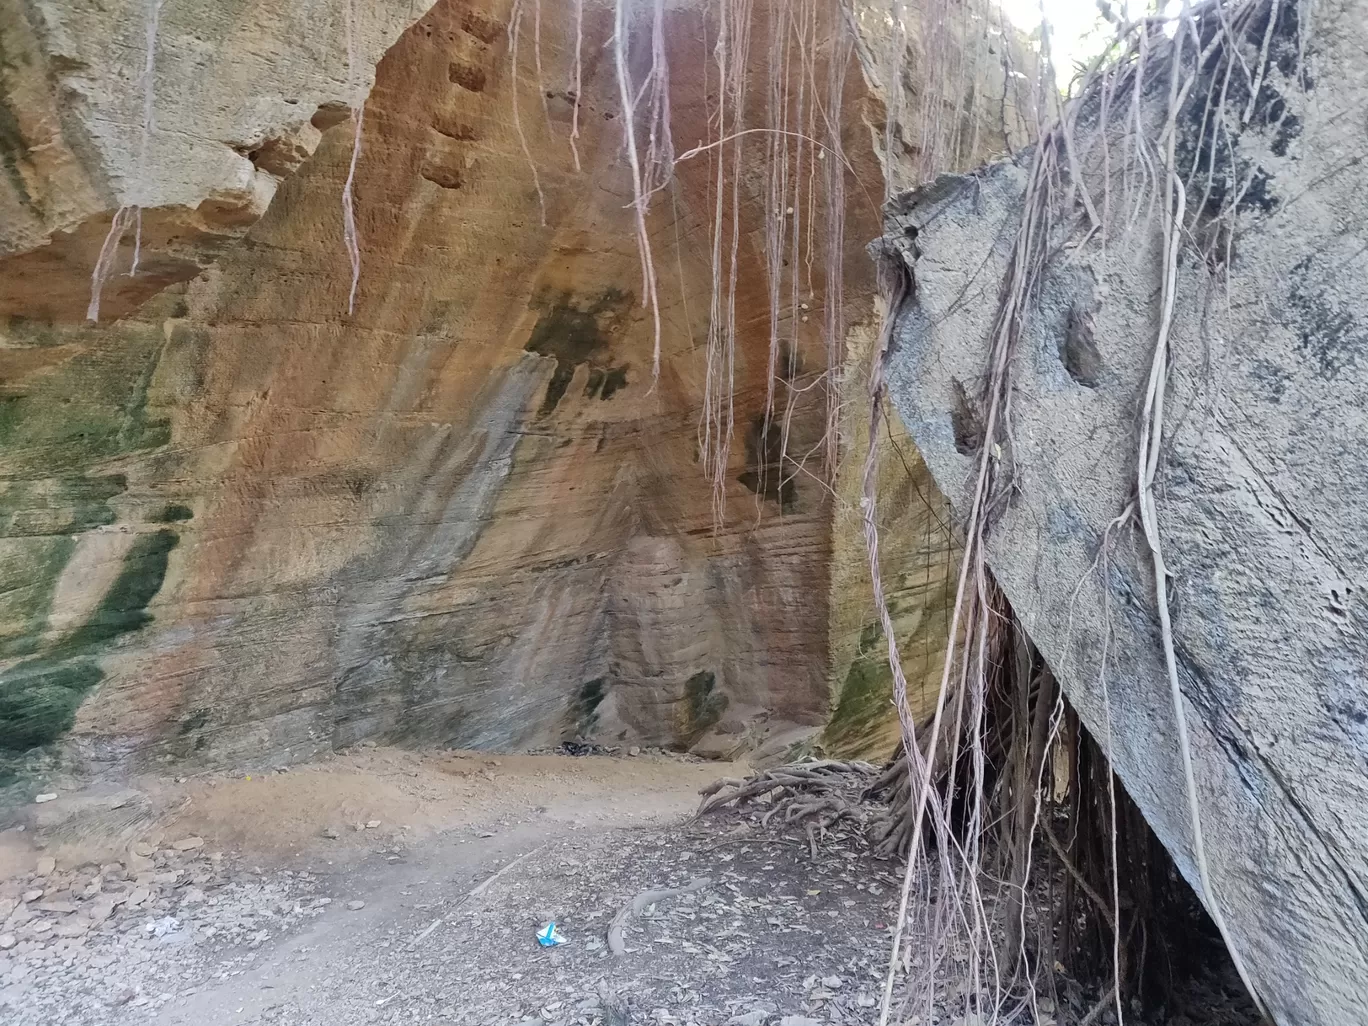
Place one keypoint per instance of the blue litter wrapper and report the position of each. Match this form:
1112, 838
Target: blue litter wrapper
549, 936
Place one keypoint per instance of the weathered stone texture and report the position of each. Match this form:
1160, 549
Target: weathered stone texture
241, 524
1262, 507
241, 89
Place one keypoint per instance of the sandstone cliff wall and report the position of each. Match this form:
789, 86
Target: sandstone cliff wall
240, 90
238, 523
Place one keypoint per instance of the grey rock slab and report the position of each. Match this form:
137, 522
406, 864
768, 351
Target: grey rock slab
1262, 496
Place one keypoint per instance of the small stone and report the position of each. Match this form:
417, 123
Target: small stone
71, 929
356, 906
7, 941
832, 982
799, 1020
61, 908
188, 843
51, 796
330, 833
144, 850
100, 909
93, 888
373, 824
634, 751
866, 1001
33, 895
138, 897
42, 926
46, 865
194, 896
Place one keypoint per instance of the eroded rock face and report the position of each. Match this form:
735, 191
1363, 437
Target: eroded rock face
241, 523
241, 92
1260, 501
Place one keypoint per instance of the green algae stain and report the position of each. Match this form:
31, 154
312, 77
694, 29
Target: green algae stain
57, 505
863, 707
39, 699
866, 698
703, 705
92, 407
29, 568
584, 713
58, 431
124, 607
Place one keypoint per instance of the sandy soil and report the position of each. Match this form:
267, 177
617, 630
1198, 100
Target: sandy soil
273, 816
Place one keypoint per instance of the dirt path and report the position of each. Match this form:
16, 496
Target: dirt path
169, 896
385, 887
769, 936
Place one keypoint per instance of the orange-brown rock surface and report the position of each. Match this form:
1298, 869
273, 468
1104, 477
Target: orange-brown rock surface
240, 522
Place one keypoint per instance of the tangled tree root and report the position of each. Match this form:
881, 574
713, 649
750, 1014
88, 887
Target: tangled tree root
890, 830
819, 795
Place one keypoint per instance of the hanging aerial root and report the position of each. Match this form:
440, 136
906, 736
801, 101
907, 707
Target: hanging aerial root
130, 215
349, 236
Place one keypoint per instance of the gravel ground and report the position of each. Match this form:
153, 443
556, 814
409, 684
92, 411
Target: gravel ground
371, 925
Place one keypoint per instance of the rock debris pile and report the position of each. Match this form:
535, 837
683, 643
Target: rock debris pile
139, 931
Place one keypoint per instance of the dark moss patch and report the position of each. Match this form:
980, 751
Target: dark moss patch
864, 703
614, 379
1204, 143
574, 334
1328, 332
871, 633
39, 699
584, 711
11, 414
595, 382
764, 473
124, 607
1078, 349
28, 578
173, 513
704, 705
964, 421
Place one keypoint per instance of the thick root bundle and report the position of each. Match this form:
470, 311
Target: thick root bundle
817, 795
